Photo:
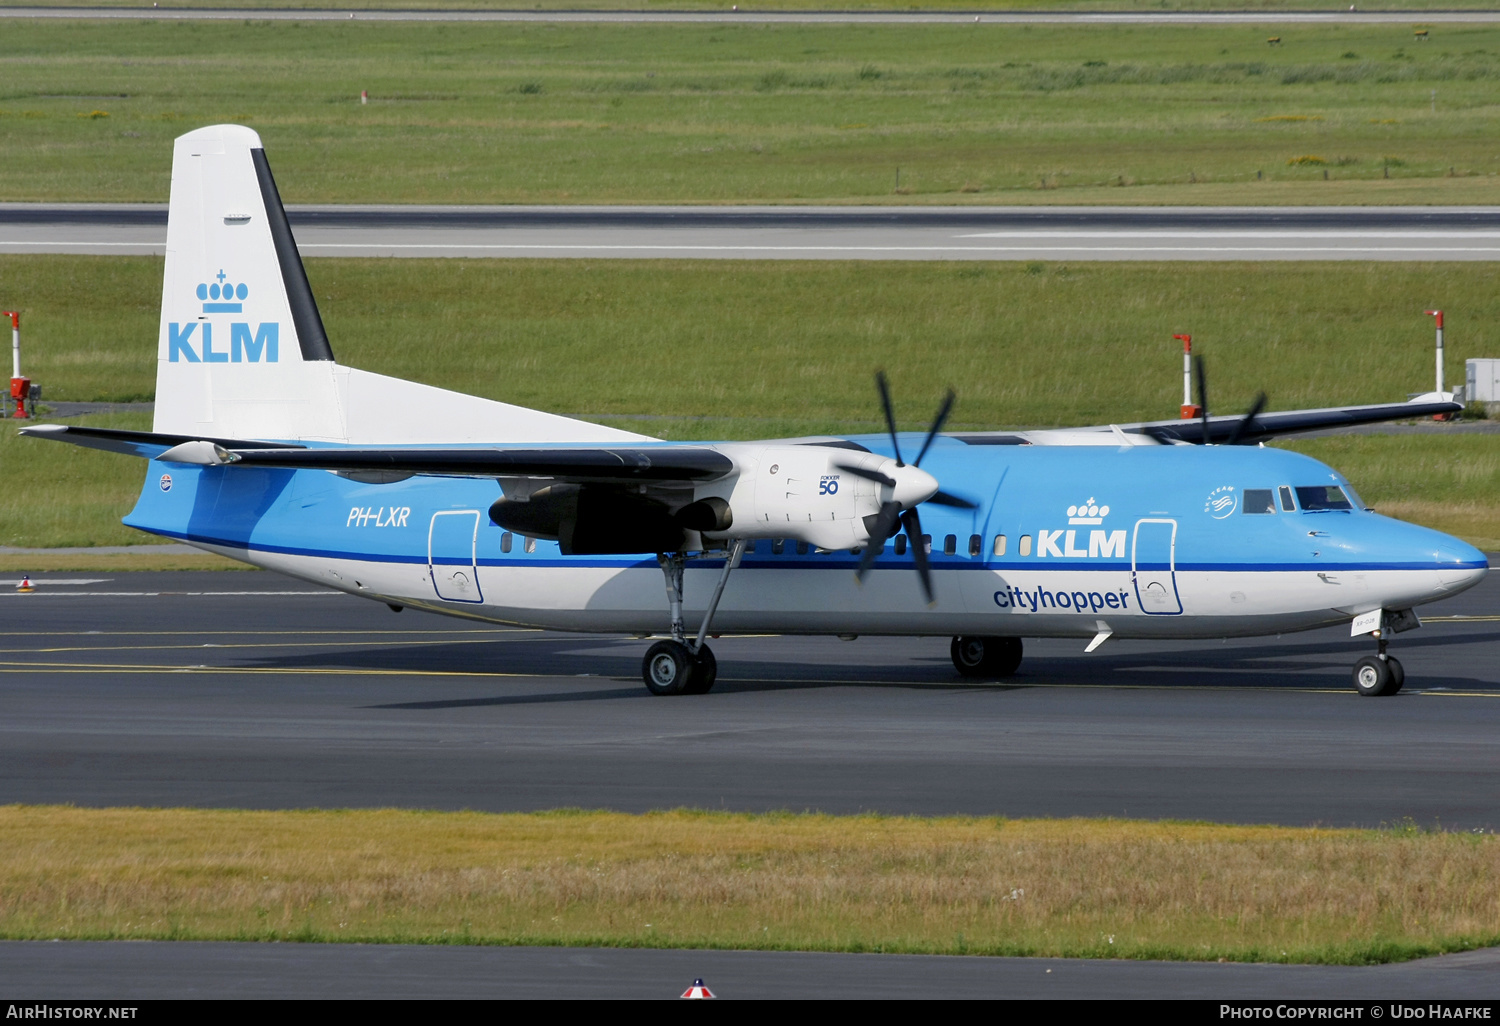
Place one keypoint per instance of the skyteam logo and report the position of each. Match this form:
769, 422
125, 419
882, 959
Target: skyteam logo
194, 342
224, 290
1221, 502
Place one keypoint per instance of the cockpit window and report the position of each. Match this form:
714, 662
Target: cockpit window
1321, 498
1258, 500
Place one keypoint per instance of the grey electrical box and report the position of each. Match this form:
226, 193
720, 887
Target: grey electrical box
1482, 383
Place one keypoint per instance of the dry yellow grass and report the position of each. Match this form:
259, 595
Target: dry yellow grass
691, 879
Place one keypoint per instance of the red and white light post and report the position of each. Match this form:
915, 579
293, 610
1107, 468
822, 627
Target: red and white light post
1438, 315
20, 388
1189, 409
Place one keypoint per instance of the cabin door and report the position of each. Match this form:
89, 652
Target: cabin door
1153, 565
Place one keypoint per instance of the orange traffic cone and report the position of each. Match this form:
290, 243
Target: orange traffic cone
25, 584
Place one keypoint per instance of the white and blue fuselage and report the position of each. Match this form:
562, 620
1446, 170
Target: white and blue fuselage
1146, 541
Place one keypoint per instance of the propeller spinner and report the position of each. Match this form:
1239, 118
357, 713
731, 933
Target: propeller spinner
910, 486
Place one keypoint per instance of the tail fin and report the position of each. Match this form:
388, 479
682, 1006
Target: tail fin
242, 351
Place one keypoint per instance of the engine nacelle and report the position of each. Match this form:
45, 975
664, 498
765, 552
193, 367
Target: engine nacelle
801, 492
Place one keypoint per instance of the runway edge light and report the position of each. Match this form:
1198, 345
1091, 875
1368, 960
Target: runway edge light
697, 992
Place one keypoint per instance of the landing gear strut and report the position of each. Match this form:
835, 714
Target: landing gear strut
680, 666
986, 657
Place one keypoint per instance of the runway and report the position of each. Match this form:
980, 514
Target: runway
249, 690
733, 17
808, 233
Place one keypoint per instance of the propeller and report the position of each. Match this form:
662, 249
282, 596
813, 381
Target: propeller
910, 486
1202, 381
1243, 427
1246, 422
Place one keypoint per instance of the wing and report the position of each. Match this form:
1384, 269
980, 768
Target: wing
645, 463
1220, 429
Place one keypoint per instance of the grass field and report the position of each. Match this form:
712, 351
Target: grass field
788, 5
694, 879
703, 350
769, 113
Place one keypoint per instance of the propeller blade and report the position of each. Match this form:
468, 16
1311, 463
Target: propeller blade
868, 475
913, 524
1202, 395
885, 526
890, 414
937, 425
957, 502
1243, 427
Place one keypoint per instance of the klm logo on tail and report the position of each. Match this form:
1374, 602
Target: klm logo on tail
186, 343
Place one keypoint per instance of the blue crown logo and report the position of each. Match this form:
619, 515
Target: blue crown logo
222, 296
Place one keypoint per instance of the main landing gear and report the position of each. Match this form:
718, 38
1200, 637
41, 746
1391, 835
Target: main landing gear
679, 666
986, 657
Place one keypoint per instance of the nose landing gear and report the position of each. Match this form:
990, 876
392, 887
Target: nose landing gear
679, 666
1381, 675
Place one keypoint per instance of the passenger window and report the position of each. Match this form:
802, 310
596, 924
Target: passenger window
778, 546
802, 548
505, 542
530, 544
1025, 545
976, 545
950, 545
1322, 498
1258, 500
999, 544
900, 544
1286, 500
927, 544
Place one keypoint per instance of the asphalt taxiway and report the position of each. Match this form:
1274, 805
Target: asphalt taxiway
807, 233
250, 690
123, 971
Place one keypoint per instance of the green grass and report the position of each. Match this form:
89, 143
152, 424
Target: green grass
769, 113
710, 349
953, 885
1153, 6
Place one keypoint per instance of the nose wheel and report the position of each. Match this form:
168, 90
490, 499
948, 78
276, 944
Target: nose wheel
1378, 676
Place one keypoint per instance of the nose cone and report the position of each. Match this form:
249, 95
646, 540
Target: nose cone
914, 485
1460, 565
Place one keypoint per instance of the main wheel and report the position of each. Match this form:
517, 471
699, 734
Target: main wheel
667, 668
986, 657
1373, 677
671, 668
704, 673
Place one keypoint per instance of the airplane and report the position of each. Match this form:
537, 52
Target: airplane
265, 449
